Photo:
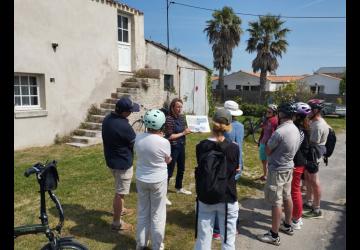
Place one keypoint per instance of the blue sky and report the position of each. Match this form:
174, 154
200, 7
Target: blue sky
313, 43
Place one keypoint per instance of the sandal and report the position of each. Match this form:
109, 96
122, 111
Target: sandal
263, 178
127, 211
122, 227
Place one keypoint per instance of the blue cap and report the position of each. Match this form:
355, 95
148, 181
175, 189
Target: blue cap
125, 104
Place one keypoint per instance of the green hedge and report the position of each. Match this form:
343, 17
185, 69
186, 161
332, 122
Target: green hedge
253, 109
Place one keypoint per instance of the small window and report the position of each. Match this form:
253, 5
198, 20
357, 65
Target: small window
26, 92
246, 88
255, 88
313, 89
238, 87
169, 83
123, 29
226, 87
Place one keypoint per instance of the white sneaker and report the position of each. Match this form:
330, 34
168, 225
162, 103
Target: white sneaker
297, 225
168, 202
183, 191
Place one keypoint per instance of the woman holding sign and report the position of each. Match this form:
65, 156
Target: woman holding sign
175, 132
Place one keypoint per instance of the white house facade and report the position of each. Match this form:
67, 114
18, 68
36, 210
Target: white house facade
242, 81
71, 54
322, 84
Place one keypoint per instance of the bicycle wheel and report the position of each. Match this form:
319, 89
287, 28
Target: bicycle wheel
257, 130
66, 243
248, 127
138, 126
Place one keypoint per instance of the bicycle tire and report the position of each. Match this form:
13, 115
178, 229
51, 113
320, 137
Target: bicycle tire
256, 130
66, 243
247, 127
138, 126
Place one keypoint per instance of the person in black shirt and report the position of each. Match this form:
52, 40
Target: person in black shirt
228, 208
118, 139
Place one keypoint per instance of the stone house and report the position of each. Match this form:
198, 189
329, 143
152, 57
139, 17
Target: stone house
70, 55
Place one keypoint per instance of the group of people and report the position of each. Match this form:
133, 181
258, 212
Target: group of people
286, 140
292, 151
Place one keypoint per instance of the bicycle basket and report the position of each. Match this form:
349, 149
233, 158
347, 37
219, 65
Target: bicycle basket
49, 177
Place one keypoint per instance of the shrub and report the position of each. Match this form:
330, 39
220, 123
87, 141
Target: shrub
147, 73
253, 109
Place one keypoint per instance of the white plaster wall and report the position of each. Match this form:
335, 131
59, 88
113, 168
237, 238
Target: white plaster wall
85, 64
331, 85
157, 58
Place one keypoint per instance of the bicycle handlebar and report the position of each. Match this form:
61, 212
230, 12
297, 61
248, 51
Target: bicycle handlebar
34, 169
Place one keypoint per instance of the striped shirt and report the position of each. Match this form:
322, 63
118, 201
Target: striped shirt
171, 128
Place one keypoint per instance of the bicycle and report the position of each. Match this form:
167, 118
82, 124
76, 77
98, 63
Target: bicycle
47, 177
139, 126
252, 128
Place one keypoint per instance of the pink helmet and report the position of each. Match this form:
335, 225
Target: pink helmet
303, 108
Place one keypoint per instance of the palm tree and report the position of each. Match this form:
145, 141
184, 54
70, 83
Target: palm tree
223, 32
267, 38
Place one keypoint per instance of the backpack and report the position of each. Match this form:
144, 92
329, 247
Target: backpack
211, 176
211, 180
330, 145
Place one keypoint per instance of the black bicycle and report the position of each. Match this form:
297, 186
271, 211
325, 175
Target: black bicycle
252, 128
139, 125
47, 177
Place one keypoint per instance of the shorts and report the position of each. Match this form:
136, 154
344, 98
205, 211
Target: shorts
278, 186
262, 153
122, 180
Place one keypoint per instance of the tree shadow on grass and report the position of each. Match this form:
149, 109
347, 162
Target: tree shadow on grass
91, 224
184, 220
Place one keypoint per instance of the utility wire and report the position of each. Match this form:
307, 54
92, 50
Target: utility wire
248, 14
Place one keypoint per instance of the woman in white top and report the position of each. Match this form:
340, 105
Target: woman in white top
153, 154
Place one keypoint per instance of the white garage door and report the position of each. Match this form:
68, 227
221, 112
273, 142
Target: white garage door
193, 90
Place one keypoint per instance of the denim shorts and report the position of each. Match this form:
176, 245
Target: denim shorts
262, 154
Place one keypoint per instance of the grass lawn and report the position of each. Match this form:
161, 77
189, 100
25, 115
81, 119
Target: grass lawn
86, 192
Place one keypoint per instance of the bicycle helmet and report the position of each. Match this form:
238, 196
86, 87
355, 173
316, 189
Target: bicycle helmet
316, 103
288, 108
302, 108
273, 107
154, 119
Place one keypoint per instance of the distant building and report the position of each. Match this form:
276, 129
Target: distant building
332, 71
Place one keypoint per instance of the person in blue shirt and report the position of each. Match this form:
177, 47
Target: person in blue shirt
236, 134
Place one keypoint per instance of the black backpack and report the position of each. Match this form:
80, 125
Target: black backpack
211, 179
211, 176
330, 145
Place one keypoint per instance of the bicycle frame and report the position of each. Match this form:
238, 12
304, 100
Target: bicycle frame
44, 226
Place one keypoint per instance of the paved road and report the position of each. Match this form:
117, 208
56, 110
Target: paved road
328, 233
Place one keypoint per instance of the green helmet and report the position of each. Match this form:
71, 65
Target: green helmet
154, 119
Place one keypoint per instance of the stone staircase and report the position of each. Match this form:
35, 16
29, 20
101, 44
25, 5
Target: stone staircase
89, 132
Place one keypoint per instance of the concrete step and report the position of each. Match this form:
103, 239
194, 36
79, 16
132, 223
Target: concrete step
105, 112
107, 106
82, 145
86, 139
119, 95
96, 118
111, 100
128, 90
87, 132
130, 84
91, 125
78, 145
